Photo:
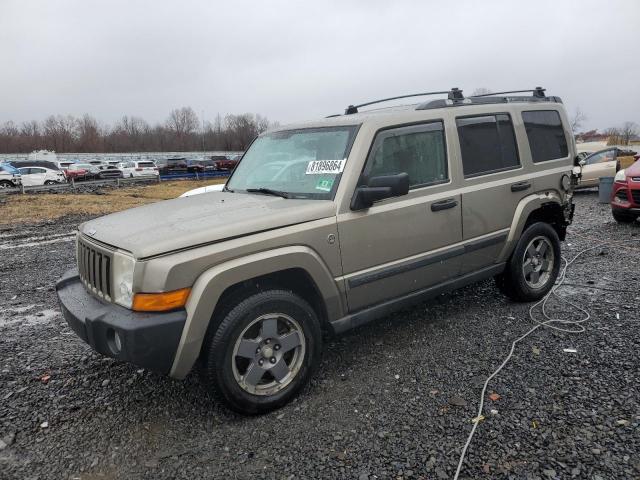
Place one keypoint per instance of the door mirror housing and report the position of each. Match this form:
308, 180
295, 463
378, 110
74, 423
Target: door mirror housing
379, 188
582, 163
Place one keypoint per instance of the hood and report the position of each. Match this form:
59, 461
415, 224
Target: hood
633, 170
211, 217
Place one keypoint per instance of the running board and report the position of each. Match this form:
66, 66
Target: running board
383, 309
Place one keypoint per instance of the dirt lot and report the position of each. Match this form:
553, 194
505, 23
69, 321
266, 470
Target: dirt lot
393, 399
19, 209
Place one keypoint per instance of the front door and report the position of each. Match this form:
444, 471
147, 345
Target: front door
403, 244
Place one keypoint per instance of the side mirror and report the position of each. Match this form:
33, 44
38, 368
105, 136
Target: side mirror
582, 163
379, 188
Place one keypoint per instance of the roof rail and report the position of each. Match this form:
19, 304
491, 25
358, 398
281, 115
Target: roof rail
538, 92
351, 109
456, 98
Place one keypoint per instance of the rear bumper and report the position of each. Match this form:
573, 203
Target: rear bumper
149, 340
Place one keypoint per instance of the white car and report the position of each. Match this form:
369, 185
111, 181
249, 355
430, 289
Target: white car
32, 176
209, 188
144, 168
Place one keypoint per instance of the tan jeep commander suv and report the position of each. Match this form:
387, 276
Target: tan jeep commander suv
324, 226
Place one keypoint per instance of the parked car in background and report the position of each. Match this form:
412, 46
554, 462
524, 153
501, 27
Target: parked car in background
598, 164
109, 171
32, 176
168, 166
82, 171
625, 195
225, 162
200, 166
144, 168
9, 176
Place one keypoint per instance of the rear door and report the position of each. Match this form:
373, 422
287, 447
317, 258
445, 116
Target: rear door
403, 244
494, 183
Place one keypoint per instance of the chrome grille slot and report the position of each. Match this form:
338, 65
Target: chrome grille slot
94, 266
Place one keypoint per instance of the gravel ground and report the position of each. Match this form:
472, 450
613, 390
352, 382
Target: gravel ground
393, 399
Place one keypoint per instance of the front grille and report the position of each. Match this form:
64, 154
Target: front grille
94, 266
622, 195
636, 196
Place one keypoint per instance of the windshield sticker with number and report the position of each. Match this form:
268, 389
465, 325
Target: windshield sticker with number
322, 167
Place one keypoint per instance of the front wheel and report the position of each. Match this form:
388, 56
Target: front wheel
6, 184
50, 182
533, 266
263, 352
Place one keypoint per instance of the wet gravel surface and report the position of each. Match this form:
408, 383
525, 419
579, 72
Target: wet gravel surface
393, 399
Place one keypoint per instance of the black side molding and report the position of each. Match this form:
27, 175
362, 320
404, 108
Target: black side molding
385, 308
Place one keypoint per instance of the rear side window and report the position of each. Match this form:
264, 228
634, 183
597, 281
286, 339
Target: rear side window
546, 135
488, 144
146, 164
418, 150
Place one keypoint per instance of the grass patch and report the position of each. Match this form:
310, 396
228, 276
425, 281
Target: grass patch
46, 206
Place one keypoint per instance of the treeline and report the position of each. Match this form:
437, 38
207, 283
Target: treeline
182, 131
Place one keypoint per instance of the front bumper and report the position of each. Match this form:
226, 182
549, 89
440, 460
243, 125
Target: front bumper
149, 340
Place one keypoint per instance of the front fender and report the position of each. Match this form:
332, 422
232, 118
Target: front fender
210, 286
526, 206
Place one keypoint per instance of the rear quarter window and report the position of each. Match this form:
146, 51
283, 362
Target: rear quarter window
488, 144
546, 136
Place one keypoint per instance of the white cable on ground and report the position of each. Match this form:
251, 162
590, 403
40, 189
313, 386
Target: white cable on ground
549, 323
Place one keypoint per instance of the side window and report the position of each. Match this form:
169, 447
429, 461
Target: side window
546, 135
418, 150
487, 144
601, 157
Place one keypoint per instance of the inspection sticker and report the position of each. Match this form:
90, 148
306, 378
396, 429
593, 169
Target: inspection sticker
321, 167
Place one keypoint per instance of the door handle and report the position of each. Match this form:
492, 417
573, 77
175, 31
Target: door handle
520, 186
443, 204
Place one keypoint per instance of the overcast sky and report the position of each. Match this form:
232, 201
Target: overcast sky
295, 60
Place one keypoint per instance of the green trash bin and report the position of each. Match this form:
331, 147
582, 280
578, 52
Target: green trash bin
604, 189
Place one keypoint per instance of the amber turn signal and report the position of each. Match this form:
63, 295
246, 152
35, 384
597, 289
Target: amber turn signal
160, 302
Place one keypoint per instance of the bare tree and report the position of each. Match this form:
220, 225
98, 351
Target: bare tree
577, 120
628, 131
613, 135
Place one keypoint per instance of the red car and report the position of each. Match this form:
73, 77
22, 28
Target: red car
225, 162
625, 196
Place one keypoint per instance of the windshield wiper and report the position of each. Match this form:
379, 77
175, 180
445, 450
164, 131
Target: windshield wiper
268, 191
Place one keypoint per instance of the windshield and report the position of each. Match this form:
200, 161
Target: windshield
305, 163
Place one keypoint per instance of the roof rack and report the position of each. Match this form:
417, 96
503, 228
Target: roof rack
456, 98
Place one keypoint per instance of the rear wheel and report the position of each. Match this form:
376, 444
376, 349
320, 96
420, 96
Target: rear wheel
623, 217
263, 352
533, 266
50, 182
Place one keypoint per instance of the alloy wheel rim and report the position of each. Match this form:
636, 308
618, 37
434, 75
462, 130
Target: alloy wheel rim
538, 262
268, 354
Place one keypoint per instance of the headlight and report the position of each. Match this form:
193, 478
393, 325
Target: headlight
620, 177
123, 266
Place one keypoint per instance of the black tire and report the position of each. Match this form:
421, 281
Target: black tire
6, 184
50, 182
219, 360
512, 281
623, 217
